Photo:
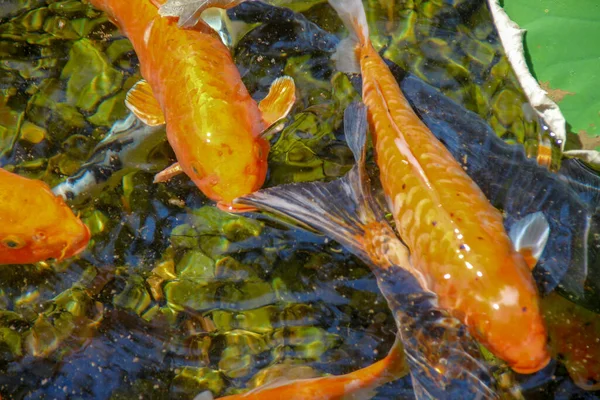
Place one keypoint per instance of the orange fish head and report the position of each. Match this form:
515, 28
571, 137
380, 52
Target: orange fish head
47, 229
226, 179
64, 240
508, 320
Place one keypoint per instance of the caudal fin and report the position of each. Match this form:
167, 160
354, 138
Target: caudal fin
352, 13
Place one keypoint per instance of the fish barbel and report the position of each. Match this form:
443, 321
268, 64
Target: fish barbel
193, 86
35, 224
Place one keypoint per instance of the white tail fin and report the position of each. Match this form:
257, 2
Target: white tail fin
352, 13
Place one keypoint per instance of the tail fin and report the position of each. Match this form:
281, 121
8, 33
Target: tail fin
352, 13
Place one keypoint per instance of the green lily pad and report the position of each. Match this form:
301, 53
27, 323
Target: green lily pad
562, 55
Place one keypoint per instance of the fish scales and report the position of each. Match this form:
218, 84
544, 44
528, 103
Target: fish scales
438, 189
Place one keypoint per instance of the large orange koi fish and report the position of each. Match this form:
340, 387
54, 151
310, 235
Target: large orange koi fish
458, 246
192, 84
35, 224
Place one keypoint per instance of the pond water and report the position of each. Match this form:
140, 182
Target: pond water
173, 296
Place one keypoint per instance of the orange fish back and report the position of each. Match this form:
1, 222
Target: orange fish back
213, 124
455, 236
432, 197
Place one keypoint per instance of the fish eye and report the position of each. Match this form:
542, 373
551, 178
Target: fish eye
13, 242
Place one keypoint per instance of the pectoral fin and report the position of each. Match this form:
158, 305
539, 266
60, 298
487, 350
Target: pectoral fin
141, 101
530, 236
279, 101
168, 173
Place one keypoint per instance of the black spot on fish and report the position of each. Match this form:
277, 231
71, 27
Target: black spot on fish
462, 247
404, 186
524, 309
434, 223
479, 237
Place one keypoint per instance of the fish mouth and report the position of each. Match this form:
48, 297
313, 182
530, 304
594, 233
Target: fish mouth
74, 245
530, 368
233, 207
532, 354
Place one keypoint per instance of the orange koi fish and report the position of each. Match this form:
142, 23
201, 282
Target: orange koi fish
574, 339
35, 224
356, 385
444, 361
193, 86
458, 246
456, 237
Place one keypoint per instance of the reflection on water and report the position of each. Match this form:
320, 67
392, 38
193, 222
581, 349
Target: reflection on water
174, 296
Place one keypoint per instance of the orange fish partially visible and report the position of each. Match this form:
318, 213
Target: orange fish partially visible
36, 225
192, 85
574, 339
356, 385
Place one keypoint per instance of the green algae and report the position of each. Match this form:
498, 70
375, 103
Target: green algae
90, 76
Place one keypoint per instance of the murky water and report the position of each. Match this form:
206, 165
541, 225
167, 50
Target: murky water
174, 296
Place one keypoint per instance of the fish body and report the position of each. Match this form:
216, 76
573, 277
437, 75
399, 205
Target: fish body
354, 385
456, 237
519, 186
193, 86
127, 147
35, 224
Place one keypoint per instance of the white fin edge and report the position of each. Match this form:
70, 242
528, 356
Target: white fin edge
206, 395
531, 232
511, 37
